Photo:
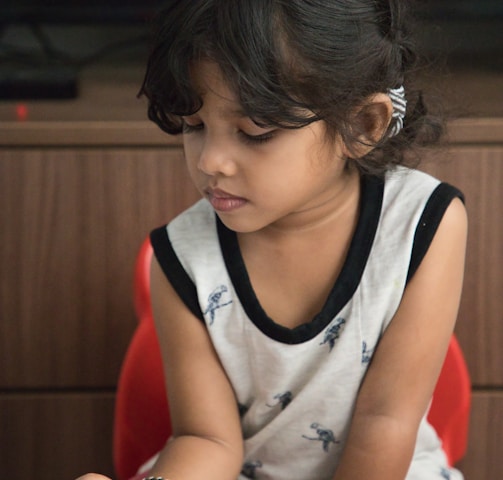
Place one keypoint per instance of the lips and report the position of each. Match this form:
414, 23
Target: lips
223, 201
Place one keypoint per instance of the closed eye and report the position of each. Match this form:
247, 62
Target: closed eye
245, 137
187, 128
256, 139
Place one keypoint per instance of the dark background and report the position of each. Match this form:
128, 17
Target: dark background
44, 44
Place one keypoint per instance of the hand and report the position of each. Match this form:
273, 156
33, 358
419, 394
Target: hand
93, 476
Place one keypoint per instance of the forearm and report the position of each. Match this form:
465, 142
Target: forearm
378, 448
196, 458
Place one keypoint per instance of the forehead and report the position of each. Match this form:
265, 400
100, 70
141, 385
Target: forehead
215, 92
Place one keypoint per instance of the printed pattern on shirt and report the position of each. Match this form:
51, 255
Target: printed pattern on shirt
333, 333
323, 435
366, 353
215, 301
282, 399
250, 469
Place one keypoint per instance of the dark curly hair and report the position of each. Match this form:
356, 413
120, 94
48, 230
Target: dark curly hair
291, 63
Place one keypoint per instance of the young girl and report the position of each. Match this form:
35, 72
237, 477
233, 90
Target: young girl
305, 304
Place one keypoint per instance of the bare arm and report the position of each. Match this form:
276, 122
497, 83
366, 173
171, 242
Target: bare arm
206, 428
402, 376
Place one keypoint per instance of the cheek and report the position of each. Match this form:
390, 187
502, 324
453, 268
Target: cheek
193, 171
189, 147
191, 153
280, 179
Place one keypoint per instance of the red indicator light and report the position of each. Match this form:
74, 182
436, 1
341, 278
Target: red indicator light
21, 112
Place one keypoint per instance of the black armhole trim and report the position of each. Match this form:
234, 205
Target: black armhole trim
432, 215
174, 270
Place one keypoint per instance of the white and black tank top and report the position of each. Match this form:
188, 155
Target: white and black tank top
296, 388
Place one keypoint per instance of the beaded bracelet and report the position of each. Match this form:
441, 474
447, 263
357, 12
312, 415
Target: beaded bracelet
154, 478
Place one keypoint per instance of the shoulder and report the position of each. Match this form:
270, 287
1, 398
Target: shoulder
181, 246
199, 217
410, 194
196, 218
187, 238
435, 287
451, 233
415, 185
419, 203
455, 218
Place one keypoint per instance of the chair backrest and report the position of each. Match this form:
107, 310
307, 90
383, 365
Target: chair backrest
450, 408
142, 422
141, 280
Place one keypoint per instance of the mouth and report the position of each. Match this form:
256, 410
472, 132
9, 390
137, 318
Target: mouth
223, 201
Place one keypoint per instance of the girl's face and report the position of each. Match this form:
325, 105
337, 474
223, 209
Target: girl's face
254, 177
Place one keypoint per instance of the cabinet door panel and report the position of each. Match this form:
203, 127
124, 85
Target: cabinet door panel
483, 456
55, 436
71, 223
478, 172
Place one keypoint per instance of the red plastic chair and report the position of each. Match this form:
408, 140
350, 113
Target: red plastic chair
450, 408
142, 421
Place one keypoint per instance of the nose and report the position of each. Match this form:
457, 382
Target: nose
216, 158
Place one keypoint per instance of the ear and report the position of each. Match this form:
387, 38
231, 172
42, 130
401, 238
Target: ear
369, 123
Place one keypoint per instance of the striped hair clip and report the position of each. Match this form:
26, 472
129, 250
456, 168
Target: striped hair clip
397, 96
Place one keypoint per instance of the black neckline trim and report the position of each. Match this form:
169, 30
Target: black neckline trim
372, 193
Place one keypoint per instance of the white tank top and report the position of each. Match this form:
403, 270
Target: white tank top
296, 388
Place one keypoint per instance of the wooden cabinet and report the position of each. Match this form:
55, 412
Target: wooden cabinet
80, 191
477, 169
478, 172
71, 222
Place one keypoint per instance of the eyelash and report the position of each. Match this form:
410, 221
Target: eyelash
248, 139
191, 128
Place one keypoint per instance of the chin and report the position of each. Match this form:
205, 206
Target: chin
239, 225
